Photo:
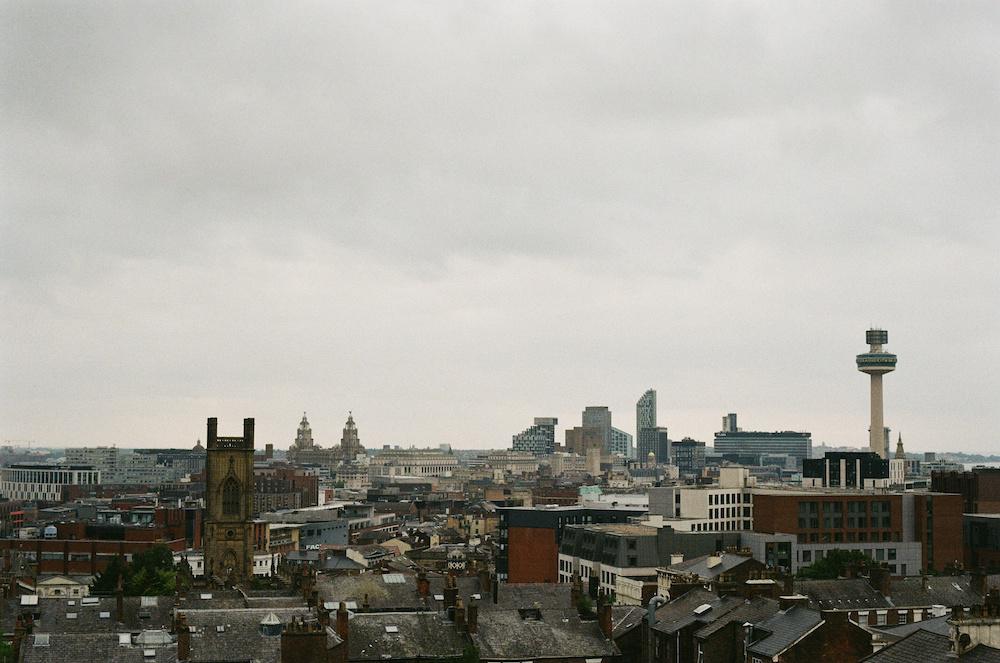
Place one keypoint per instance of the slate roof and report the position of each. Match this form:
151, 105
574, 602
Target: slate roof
700, 567
86, 647
754, 611
54, 614
241, 639
625, 617
504, 634
416, 635
940, 590
928, 647
679, 613
937, 625
783, 629
842, 594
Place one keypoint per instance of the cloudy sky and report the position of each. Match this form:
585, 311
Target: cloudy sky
452, 217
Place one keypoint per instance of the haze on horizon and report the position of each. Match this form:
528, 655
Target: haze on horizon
452, 217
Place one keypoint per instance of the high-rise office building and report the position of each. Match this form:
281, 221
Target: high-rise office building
599, 417
645, 425
621, 443
738, 442
539, 439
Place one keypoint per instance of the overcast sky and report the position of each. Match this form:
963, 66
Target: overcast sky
452, 217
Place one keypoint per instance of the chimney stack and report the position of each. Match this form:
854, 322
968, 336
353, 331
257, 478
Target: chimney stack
322, 614
604, 616
342, 623
472, 616
450, 591
459, 614
423, 584
120, 599
183, 637
576, 591
977, 582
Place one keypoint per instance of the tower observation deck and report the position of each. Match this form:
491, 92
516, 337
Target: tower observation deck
876, 363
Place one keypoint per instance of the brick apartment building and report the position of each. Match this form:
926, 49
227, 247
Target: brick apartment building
926, 523
979, 488
79, 556
528, 538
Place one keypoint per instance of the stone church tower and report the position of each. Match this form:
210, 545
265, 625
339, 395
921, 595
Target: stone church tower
229, 505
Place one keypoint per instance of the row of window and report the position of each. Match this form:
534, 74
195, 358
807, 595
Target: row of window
848, 537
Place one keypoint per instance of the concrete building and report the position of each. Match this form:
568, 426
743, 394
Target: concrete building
580, 440
39, 482
414, 462
876, 363
723, 507
539, 439
607, 552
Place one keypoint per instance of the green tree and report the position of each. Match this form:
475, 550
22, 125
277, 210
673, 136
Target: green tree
834, 565
150, 573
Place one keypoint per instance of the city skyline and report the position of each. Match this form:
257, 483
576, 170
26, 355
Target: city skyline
454, 220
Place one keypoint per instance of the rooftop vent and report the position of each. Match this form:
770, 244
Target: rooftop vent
220, 628
702, 609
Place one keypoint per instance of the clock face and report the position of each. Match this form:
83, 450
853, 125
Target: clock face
231, 533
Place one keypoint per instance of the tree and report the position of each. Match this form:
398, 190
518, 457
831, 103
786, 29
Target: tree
834, 565
150, 573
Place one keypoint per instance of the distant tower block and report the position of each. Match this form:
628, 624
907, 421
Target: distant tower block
876, 363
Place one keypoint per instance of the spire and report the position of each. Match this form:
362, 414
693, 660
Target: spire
900, 454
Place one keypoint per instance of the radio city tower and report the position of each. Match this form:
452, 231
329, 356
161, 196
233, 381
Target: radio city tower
877, 363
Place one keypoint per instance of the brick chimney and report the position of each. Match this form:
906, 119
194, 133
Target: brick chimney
472, 616
878, 577
322, 614
575, 591
313, 598
120, 600
450, 591
977, 582
342, 622
183, 637
459, 614
303, 641
604, 616
484, 581
423, 584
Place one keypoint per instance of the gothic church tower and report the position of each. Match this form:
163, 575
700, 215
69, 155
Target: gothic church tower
229, 505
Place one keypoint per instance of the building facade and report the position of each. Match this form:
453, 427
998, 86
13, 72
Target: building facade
846, 470
688, 455
621, 443
44, 482
539, 439
598, 417
229, 482
795, 444
414, 462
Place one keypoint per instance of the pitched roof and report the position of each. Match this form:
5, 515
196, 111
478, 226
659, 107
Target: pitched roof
504, 634
928, 647
753, 611
842, 594
625, 617
104, 647
240, 638
783, 629
914, 591
376, 636
700, 565
697, 605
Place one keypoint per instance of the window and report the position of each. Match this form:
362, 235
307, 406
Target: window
901, 617
231, 497
880, 616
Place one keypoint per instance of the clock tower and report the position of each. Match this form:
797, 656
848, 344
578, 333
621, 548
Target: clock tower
229, 505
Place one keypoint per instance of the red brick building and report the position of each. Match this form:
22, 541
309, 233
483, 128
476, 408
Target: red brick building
848, 517
79, 556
